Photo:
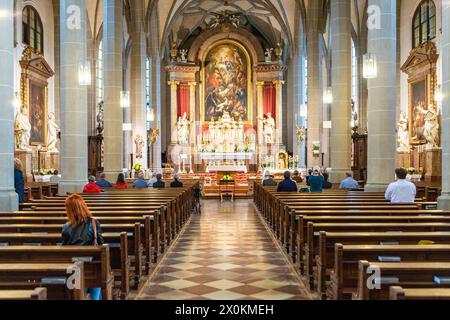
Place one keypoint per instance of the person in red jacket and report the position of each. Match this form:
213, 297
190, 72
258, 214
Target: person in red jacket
121, 183
92, 187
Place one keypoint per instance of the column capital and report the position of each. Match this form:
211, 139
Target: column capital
278, 83
192, 84
260, 84
173, 84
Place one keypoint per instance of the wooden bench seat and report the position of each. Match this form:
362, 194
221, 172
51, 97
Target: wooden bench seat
28, 276
405, 274
344, 273
36, 294
399, 293
96, 261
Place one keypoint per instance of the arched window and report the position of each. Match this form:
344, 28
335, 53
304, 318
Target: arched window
424, 23
99, 73
32, 30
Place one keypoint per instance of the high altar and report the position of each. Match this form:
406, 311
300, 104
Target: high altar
226, 100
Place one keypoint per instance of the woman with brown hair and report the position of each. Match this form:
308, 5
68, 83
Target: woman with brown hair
82, 229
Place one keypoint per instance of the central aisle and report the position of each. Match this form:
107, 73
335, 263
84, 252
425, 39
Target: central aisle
225, 254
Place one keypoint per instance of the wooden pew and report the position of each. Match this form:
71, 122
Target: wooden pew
27, 276
36, 294
404, 274
344, 275
120, 245
325, 258
113, 236
96, 261
399, 293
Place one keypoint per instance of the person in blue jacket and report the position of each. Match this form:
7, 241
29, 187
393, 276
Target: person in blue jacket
102, 182
19, 180
287, 185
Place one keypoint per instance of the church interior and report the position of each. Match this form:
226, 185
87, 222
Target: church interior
203, 111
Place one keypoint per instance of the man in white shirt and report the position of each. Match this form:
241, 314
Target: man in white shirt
401, 191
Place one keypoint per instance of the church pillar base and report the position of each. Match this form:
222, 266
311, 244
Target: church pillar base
70, 187
375, 187
444, 202
9, 200
433, 164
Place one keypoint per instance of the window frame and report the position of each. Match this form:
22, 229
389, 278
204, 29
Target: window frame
35, 31
421, 20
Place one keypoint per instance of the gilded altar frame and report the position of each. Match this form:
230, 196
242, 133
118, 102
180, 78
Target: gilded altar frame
249, 79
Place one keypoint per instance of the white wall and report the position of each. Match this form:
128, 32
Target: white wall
45, 10
408, 8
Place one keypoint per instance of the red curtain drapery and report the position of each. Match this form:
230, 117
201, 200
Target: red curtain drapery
269, 101
183, 100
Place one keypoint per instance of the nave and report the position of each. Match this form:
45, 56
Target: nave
226, 253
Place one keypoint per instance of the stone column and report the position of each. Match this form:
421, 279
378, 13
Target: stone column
279, 111
173, 111
260, 112
8, 197
382, 103
193, 133
341, 73
113, 112
315, 90
138, 63
74, 120
444, 200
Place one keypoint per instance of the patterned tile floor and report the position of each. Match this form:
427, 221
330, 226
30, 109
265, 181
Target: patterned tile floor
225, 254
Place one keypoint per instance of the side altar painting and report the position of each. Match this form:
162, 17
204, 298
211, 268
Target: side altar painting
38, 114
226, 83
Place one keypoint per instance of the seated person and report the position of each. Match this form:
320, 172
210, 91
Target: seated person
269, 180
349, 182
91, 187
102, 182
287, 185
296, 177
159, 183
401, 191
326, 184
316, 182
121, 183
176, 183
310, 173
140, 183
152, 180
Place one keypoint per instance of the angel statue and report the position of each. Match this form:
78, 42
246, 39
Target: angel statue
22, 130
183, 55
300, 134
431, 127
268, 129
403, 134
139, 142
53, 132
268, 54
183, 125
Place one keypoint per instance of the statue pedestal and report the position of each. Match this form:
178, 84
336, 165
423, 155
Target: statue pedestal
433, 164
404, 159
26, 158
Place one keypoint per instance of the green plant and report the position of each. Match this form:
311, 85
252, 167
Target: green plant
137, 166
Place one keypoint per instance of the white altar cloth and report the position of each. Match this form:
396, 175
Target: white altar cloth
224, 168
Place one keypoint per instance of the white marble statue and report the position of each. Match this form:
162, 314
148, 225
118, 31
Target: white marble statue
431, 128
268, 129
139, 142
183, 125
53, 131
22, 130
183, 55
403, 134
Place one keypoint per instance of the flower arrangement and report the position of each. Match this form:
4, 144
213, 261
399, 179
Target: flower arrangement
411, 170
137, 167
227, 178
43, 172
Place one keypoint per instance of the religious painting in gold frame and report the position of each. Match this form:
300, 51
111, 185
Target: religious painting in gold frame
226, 82
38, 113
419, 100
